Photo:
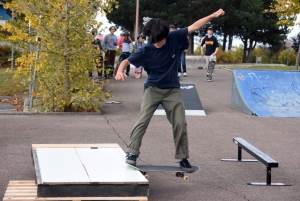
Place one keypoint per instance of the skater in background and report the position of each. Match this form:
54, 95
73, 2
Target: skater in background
212, 46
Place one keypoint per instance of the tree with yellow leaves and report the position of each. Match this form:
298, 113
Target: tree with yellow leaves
57, 52
287, 9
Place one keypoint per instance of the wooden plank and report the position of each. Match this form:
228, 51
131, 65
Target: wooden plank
61, 165
111, 145
75, 198
31, 194
21, 181
13, 185
22, 188
96, 163
21, 194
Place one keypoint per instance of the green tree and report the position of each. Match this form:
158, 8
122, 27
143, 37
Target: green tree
62, 55
270, 51
174, 12
177, 12
257, 25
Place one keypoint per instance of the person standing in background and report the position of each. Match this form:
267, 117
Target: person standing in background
171, 27
109, 44
126, 49
183, 50
120, 41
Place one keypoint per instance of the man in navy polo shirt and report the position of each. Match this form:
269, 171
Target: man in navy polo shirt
160, 60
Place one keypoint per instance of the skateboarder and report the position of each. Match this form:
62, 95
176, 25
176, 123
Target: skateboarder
212, 47
160, 60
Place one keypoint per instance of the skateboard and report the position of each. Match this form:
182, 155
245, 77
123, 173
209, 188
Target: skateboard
211, 68
138, 72
118, 64
156, 168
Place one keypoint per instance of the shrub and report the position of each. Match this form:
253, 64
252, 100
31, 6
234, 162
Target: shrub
282, 57
5, 56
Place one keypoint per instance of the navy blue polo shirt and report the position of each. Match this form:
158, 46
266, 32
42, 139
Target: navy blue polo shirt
161, 64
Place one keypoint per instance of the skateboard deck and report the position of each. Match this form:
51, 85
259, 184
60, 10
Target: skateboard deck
138, 72
117, 66
154, 168
210, 70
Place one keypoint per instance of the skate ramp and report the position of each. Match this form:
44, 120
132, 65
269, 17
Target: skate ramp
266, 93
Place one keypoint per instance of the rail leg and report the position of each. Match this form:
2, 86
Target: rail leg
269, 173
239, 153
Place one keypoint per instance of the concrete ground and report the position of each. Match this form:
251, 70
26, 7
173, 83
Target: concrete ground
210, 140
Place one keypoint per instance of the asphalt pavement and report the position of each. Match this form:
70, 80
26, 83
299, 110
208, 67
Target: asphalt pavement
210, 140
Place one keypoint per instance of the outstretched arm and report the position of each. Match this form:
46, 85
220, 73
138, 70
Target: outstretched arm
200, 23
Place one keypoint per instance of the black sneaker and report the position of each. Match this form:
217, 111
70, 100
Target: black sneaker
127, 74
185, 165
208, 78
131, 159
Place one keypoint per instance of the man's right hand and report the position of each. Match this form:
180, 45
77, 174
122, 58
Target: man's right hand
219, 13
202, 54
120, 76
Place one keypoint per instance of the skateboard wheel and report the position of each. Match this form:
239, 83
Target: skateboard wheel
185, 178
147, 176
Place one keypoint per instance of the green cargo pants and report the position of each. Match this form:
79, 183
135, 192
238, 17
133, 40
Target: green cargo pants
171, 100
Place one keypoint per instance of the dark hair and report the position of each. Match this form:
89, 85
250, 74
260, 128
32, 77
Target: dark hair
112, 27
156, 30
179, 26
126, 33
139, 36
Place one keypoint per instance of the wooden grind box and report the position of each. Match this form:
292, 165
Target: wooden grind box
86, 170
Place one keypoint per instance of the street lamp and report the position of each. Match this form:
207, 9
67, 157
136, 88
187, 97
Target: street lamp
288, 45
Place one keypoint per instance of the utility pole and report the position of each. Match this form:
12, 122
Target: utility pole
12, 45
136, 19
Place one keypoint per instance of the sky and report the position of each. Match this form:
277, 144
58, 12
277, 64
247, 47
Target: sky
236, 42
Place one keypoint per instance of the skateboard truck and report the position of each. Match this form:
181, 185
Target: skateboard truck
181, 174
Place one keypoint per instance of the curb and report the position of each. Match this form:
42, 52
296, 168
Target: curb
51, 113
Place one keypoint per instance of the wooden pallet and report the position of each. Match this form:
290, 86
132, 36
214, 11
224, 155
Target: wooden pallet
27, 191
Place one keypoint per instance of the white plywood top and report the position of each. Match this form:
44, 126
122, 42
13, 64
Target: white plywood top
107, 145
86, 165
61, 164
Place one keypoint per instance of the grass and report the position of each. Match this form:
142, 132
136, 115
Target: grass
10, 86
260, 67
273, 67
